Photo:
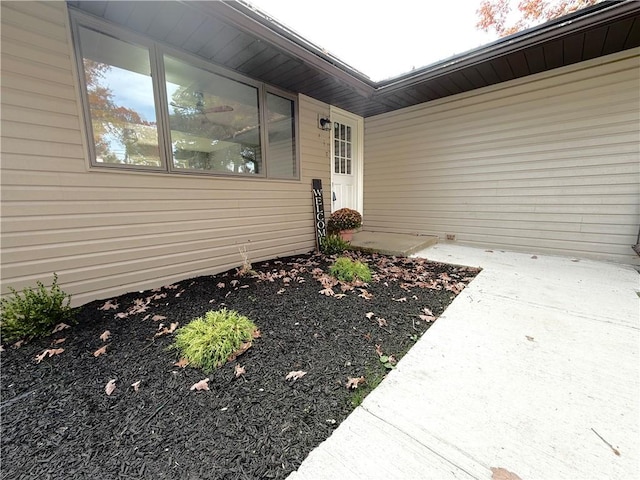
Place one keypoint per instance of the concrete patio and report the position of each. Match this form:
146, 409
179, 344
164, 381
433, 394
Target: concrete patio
519, 373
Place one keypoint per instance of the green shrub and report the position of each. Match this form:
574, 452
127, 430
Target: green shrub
347, 270
34, 312
208, 342
333, 244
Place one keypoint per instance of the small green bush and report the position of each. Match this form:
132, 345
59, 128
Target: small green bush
34, 312
333, 244
347, 270
208, 342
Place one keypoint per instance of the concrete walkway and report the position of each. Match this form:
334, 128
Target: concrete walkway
521, 370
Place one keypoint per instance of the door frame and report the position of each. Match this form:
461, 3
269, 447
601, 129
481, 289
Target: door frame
337, 114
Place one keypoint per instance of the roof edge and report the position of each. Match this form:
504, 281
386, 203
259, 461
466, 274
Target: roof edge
573, 22
256, 23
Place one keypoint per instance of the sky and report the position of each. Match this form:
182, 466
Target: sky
383, 39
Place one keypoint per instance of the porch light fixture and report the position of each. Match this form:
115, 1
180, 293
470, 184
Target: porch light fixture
324, 123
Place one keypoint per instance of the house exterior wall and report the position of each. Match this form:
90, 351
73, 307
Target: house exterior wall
549, 163
107, 232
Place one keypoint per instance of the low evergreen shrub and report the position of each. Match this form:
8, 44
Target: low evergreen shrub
34, 312
333, 244
347, 270
210, 341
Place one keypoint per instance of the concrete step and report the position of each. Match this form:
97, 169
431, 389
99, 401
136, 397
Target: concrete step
400, 244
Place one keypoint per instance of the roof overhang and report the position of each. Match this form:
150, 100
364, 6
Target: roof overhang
237, 36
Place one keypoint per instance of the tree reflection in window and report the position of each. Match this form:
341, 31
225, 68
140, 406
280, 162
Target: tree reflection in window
214, 121
124, 126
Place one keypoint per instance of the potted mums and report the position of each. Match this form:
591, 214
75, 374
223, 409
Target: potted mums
346, 221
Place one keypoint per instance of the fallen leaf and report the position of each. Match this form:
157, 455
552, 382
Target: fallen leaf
365, 294
353, 383
256, 333
201, 385
340, 295
369, 315
403, 299
1, 348
503, 474
529, 338
381, 322
136, 385
108, 305
157, 318
100, 351
179, 293
105, 335
59, 327
379, 350
110, 387
327, 291
122, 315
49, 352
139, 306
243, 348
281, 291
183, 362
234, 282
58, 341
41, 357
220, 285
166, 331
238, 370
172, 287
18, 344
295, 375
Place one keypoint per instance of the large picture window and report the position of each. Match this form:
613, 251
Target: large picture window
214, 121
150, 108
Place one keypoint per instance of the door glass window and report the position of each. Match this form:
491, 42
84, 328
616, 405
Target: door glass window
342, 151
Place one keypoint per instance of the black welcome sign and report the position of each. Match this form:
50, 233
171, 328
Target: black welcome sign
318, 206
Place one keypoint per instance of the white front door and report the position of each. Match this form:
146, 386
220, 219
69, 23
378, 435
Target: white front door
346, 161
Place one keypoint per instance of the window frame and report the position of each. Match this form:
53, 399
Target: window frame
156, 52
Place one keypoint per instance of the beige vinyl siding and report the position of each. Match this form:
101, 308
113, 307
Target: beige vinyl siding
549, 163
106, 232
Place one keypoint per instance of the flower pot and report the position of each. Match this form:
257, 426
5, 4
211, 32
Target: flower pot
347, 235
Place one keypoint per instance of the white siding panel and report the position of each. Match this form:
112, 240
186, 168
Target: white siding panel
106, 232
550, 163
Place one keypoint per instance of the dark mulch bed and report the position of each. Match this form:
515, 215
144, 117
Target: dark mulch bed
58, 422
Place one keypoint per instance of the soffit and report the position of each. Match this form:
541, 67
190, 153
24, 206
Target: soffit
233, 35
